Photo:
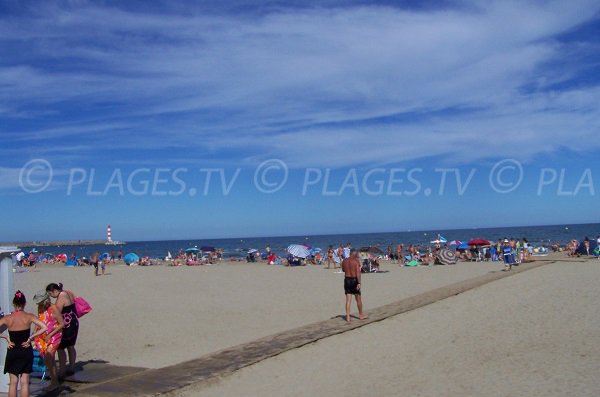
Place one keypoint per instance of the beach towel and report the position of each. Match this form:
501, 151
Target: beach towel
412, 263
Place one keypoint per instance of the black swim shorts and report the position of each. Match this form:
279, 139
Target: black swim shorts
351, 286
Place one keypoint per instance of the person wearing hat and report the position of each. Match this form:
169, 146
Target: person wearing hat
47, 344
508, 255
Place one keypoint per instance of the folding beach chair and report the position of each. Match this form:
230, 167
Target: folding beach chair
369, 266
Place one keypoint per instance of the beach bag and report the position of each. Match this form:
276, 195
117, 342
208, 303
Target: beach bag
82, 307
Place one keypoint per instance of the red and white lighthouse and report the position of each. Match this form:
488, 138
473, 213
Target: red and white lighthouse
108, 234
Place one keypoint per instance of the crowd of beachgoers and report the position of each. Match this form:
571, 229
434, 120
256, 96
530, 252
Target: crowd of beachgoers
520, 250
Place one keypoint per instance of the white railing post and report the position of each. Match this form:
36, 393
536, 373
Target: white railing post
6, 292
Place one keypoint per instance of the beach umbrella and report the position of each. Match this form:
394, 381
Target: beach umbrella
192, 249
131, 258
439, 240
371, 250
446, 257
462, 246
252, 251
61, 257
298, 250
478, 241
104, 255
315, 251
455, 242
207, 248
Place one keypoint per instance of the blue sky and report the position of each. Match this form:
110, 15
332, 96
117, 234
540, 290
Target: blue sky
99, 99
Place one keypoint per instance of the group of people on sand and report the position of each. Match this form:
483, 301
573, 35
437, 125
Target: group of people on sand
55, 330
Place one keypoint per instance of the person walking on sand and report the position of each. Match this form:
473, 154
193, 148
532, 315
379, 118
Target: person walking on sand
94, 261
65, 305
399, 254
19, 356
351, 268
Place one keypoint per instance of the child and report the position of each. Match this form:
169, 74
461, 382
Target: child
48, 343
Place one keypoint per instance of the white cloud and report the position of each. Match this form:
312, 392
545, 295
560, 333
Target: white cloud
301, 83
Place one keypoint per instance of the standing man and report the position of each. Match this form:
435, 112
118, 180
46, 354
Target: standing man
351, 268
399, 254
94, 261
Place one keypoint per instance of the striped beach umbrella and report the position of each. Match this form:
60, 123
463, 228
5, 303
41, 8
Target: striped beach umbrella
298, 250
446, 257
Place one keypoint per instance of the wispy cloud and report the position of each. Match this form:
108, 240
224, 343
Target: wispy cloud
303, 83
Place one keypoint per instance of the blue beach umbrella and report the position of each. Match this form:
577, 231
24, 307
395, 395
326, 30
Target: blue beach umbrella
104, 255
463, 246
131, 258
192, 249
315, 251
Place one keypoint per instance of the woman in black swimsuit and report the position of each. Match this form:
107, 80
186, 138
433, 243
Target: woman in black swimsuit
19, 356
64, 303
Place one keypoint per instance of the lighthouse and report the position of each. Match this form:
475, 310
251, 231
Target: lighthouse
109, 240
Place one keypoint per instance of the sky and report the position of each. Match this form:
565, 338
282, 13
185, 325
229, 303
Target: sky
211, 119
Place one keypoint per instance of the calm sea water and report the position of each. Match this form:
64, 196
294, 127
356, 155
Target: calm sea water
536, 235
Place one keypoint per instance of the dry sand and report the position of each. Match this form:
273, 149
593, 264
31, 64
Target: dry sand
161, 315
534, 334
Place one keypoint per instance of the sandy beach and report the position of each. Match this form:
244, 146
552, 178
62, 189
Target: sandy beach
533, 332
161, 315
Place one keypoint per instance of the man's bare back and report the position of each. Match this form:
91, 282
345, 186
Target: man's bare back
351, 267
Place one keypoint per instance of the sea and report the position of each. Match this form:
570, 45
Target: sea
237, 247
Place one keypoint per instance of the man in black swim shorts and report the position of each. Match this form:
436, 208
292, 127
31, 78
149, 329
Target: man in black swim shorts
94, 261
351, 267
351, 286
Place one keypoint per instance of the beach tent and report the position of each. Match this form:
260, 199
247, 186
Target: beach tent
131, 258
